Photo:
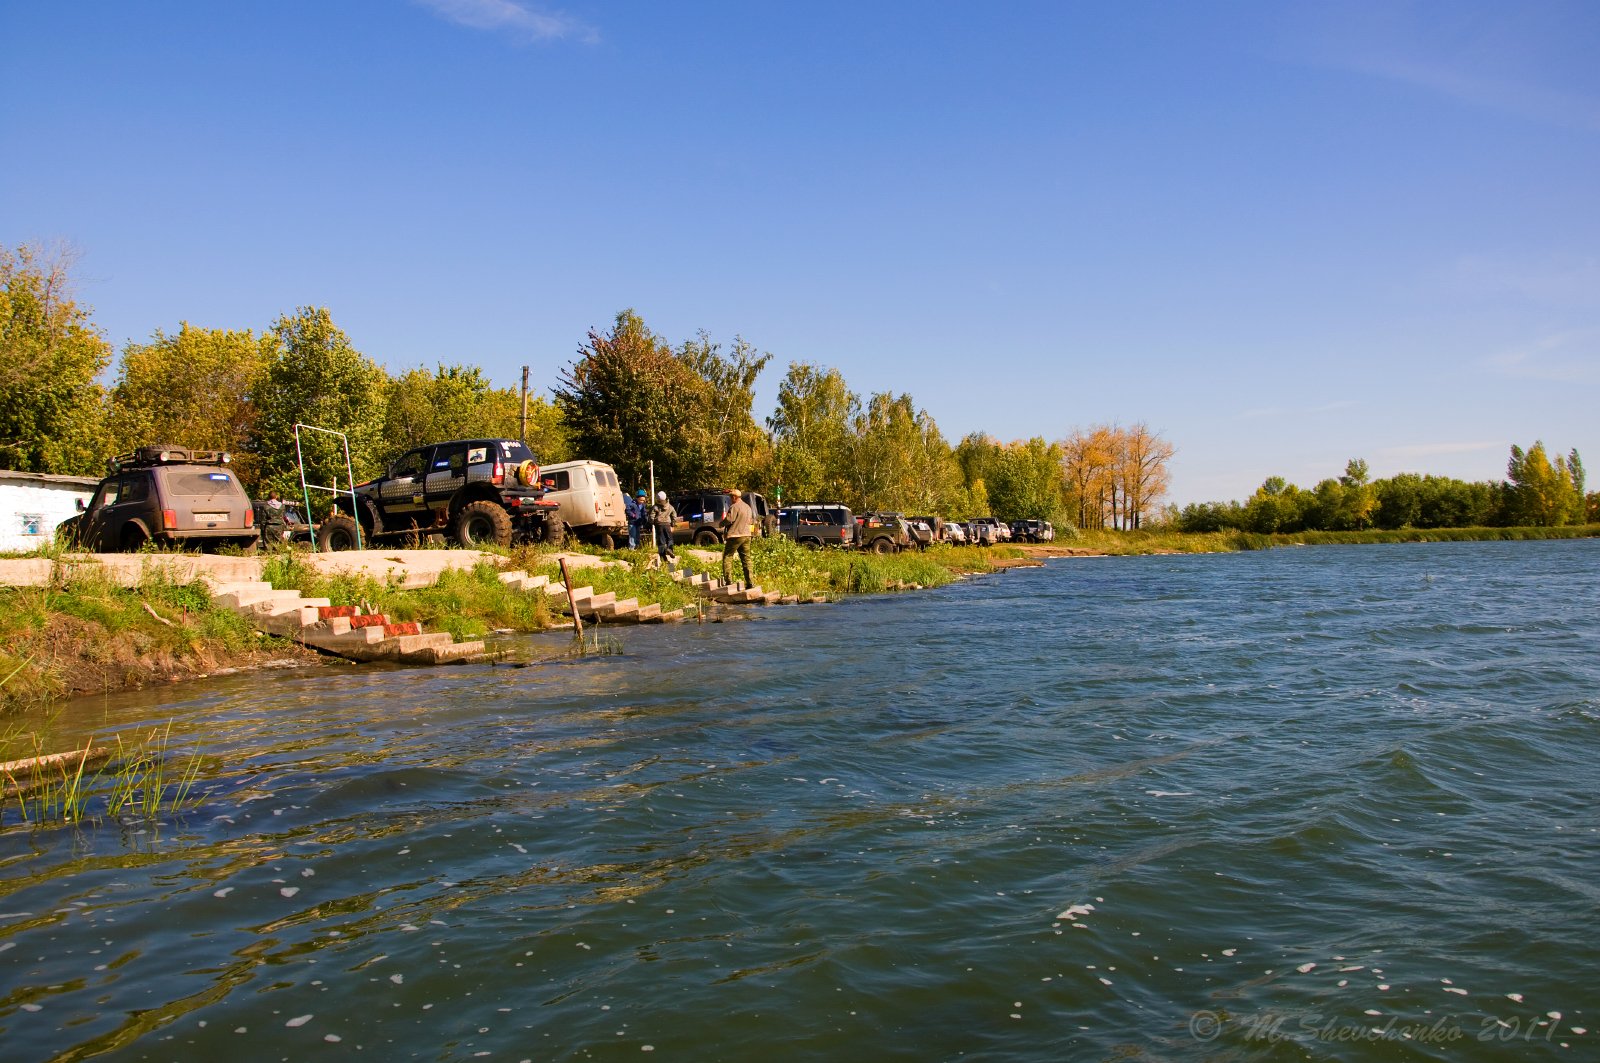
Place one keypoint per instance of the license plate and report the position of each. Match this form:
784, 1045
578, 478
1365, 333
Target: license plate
211, 517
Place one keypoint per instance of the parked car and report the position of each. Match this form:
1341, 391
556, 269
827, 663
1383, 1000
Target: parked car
935, 525
168, 495
980, 533
478, 491
700, 511
1032, 531
921, 534
592, 505
999, 531
955, 532
818, 524
882, 533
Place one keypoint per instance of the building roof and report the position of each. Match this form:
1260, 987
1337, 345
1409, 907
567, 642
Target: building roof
47, 479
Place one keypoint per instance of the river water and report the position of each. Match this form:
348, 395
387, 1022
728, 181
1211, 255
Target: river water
1325, 803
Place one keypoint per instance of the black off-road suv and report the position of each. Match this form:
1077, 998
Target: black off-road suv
476, 491
168, 495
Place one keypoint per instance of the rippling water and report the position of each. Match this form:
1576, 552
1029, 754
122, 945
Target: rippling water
1306, 804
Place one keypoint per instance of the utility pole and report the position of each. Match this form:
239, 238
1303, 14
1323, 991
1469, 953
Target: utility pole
524, 405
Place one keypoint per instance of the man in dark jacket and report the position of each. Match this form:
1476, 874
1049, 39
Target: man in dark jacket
662, 518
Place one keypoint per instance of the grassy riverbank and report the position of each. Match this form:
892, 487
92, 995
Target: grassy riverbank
85, 635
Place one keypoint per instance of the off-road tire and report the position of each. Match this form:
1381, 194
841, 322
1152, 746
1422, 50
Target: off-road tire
811, 543
551, 531
605, 541
706, 537
338, 532
882, 545
482, 523
133, 537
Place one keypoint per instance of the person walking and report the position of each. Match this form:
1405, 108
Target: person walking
737, 526
662, 518
635, 510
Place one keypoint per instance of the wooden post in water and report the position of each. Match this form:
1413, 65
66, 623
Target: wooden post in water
572, 603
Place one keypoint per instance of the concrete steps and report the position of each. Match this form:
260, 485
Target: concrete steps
345, 631
591, 605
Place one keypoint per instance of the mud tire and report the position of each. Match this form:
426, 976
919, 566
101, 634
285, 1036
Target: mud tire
482, 523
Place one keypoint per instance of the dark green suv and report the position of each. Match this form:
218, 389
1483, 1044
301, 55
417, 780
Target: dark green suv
168, 495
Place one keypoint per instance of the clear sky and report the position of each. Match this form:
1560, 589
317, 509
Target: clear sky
1281, 234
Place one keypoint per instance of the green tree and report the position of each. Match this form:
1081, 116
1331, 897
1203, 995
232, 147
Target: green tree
1542, 492
1358, 500
628, 399
193, 389
314, 376
811, 434
736, 448
52, 410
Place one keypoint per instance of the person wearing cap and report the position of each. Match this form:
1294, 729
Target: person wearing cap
662, 518
635, 509
737, 525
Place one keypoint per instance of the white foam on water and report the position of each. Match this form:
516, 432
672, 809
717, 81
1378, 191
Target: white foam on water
1514, 996
1169, 793
223, 892
299, 1020
397, 979
289, 891
1456, 990
1306, 968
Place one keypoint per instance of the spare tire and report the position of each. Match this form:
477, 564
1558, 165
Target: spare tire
338, 532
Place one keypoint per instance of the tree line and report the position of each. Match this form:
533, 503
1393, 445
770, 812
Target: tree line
628, 397
1538, 491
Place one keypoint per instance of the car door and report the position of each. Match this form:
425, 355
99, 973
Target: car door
447, 474
401, 492
91, 526
131, 502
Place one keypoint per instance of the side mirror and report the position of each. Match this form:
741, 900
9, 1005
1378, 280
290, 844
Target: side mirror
82, 506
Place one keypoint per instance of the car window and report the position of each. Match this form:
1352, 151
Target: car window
558, 480
516, 452
197, 482
106, 496
409, 465
135, 488
452, 460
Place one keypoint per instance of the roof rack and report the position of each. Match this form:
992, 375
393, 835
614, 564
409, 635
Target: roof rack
166, 455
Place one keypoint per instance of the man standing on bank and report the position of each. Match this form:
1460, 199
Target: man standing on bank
736, 525
662, 518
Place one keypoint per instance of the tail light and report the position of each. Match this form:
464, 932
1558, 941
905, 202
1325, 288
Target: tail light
499, 475
169, 520
250, 517
597, 507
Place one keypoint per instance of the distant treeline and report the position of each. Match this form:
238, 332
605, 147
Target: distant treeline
627, 398
1537, 492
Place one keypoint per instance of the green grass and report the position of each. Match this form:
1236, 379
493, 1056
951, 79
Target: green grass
82, 617
141, 778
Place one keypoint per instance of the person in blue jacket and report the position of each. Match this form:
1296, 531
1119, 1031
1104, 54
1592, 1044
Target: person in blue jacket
635, 519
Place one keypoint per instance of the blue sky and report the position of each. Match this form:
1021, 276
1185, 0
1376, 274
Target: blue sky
1283, 235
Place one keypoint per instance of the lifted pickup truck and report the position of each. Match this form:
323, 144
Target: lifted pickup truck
476, 491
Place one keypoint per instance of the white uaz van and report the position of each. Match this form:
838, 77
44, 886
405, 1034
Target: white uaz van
591, 500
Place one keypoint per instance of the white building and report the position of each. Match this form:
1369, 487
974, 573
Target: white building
33, 503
